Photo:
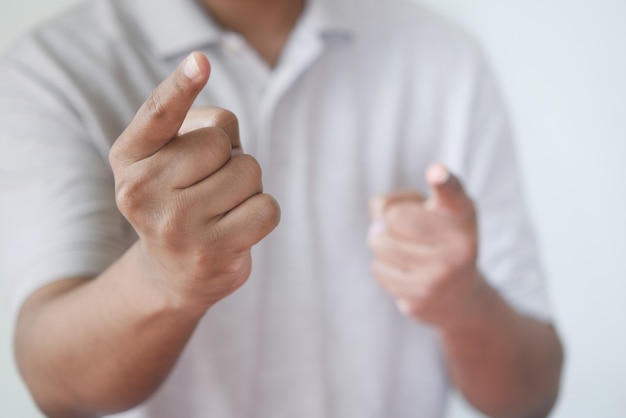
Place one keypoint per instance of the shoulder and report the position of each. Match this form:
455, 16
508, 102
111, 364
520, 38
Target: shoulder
91, 28
422, 34
91, 43
89, 61
77, 47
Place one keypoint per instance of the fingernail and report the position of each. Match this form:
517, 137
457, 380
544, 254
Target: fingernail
438, 174
376, 227
191, 68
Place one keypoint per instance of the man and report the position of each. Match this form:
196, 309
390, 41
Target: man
129, 238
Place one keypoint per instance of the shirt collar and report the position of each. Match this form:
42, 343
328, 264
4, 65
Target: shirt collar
174, 27
331, 16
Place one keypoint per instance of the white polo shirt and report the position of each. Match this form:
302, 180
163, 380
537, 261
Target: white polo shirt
366, 94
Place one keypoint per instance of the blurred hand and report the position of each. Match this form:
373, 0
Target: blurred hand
425, 249
193, 197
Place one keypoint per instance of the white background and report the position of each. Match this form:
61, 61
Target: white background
562, 66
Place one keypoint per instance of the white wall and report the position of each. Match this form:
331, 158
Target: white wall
562, 65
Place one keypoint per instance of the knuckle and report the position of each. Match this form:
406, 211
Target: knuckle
118, 156
224, 118
179, 86
249, 166
212, 142
156, 107
144, 203
398, 215
263, 217
220, 144
128, 197
268, 210
394, 215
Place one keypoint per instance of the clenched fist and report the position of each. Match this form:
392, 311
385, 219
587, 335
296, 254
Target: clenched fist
425, 249
191, 194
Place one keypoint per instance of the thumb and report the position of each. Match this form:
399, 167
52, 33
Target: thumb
158, 120
447, 195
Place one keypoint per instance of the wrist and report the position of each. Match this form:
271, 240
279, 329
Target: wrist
475, 313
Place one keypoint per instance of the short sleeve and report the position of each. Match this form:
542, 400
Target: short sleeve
57, 211
508, 253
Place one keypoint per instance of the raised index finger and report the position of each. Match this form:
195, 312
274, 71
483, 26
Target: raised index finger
159, 118
448, 197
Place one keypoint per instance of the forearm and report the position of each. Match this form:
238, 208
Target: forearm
197, 204
87, 348
505, 364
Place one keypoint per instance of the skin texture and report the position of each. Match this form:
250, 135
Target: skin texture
137, 316
197, 220
197, 205
425, 249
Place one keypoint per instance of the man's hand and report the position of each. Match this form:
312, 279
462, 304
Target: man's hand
195, 200
425, 249
193, 197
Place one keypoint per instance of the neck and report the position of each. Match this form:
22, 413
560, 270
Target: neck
265, 24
